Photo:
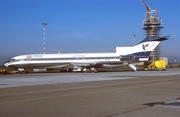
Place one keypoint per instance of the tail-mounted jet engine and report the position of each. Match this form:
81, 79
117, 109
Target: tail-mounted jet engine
128, 58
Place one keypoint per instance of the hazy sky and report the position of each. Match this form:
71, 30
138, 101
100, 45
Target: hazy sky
82, 25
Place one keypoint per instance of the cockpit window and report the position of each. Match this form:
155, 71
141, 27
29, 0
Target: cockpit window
11, 60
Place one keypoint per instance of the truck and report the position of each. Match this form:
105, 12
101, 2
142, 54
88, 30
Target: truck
156, 65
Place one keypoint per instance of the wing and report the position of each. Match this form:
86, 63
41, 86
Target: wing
60, 66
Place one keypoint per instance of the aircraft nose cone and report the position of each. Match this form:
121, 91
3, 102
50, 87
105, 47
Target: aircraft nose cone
6, 64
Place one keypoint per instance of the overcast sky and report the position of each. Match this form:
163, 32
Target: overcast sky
82, 26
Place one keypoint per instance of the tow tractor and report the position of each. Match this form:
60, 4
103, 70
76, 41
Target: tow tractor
159, 65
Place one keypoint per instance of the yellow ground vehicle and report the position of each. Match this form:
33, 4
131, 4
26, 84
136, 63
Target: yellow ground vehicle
3, 71
156, 65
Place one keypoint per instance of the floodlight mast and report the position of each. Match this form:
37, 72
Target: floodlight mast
44, 36
134, 35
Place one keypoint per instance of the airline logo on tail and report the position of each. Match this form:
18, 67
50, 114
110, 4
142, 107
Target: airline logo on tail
145, 46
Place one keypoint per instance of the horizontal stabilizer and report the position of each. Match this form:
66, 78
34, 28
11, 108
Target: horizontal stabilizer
159, 38
155, 38
58, 66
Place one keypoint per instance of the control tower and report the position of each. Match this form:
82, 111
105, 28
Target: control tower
152, 27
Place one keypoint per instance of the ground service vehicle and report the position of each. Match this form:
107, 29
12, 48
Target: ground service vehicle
3, 71
156, 65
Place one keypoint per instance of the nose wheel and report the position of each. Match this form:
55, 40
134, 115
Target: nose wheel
21, 70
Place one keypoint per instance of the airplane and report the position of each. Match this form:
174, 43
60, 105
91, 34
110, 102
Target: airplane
124, 56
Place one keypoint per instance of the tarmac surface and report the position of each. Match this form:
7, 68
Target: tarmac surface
106, 94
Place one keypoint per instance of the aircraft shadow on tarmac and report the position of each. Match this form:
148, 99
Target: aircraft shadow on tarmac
175, 103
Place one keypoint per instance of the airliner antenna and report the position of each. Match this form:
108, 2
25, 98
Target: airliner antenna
146, 5
44, 36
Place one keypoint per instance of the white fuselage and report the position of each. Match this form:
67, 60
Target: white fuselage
57, 60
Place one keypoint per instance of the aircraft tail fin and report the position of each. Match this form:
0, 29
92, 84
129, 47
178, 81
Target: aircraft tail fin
144, 47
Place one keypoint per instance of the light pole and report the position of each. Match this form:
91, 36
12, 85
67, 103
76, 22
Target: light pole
134, 35
44, 36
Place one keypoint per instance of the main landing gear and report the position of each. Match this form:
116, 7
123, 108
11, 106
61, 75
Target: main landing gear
92, 69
